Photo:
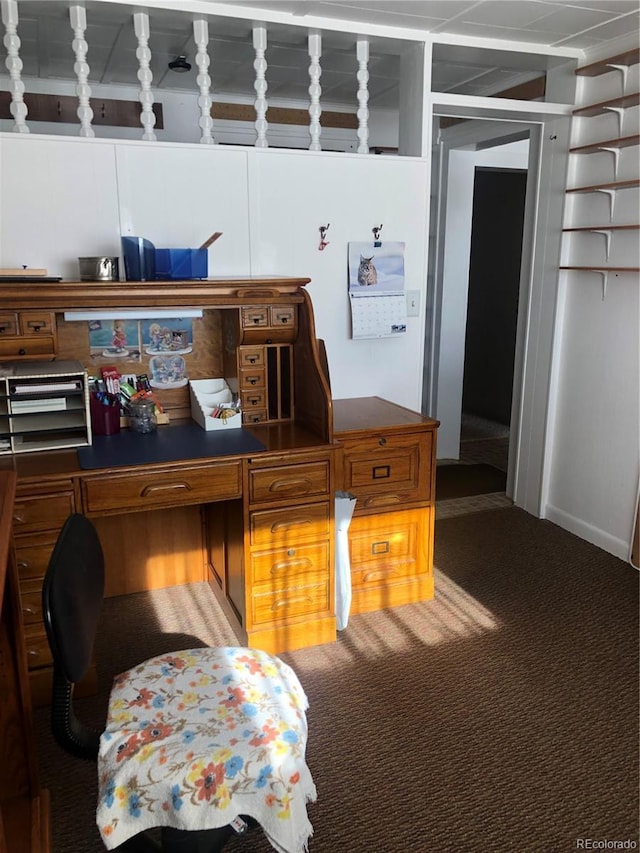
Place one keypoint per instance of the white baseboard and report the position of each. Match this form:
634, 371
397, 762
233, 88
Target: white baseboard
610, 544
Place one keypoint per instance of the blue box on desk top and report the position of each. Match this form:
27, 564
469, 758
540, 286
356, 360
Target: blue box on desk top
144, 262
182, 263
139, 259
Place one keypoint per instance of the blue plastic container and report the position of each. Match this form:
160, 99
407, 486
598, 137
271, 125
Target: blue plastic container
182, 263
139, 259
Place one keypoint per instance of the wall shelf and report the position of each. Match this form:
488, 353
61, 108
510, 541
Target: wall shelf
610, 187
603, 272
603, 269
597, 228
616, 105
595, 147
603, 66
621, 103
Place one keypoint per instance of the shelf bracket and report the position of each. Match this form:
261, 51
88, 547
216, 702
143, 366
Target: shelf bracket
606, 233
605, 281
616, 159
624, 70
612, 199
619, 111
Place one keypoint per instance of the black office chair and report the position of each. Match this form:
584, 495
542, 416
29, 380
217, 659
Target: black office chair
72, 598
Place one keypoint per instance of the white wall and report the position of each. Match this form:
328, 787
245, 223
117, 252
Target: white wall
457, 230
291, 196
595, 429
61, 199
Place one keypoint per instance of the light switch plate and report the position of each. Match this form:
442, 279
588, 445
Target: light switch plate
413, 303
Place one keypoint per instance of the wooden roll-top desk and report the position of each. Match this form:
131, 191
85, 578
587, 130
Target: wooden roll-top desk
258, 526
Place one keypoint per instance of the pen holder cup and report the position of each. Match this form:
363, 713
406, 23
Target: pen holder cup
105, 419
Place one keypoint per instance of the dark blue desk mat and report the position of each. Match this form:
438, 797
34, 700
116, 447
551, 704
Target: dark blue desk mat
167, 444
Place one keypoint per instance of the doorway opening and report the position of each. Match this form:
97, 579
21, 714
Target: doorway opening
483, 177
492, 313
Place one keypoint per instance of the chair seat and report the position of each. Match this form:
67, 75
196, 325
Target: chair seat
197, 737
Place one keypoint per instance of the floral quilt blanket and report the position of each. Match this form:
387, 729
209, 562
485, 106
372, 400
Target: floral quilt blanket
198, 737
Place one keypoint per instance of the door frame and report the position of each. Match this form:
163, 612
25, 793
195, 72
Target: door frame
532, 405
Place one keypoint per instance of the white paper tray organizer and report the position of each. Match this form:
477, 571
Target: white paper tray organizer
211, 399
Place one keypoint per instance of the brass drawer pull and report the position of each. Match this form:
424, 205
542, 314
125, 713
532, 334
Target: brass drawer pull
164, 487
302, 483
382, 441
29, 611
19, 519
291, 564
380, 472
24, 564
380, 547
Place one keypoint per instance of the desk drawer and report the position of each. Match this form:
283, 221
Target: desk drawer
386, 548
278, 527
282, 315
253, 400
37, 645
288, 482
254, 416
250, 357
254, 316
37, 323
31, 601
42, 512
160, 488
8, 324
252, 377
268, 605
281, 566
32, 560
388, 470
31, 345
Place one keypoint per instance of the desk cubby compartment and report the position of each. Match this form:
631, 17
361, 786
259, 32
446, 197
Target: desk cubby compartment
208, 395
43, 406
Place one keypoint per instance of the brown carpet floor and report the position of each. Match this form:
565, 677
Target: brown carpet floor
502, 716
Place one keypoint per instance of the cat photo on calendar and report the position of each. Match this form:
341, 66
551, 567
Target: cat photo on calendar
376, 269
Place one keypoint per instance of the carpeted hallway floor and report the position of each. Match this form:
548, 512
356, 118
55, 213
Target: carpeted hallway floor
502, 716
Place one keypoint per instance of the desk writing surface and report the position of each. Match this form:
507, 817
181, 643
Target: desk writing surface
167, 444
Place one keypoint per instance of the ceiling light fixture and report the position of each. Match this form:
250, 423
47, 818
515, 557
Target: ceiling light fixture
180, 64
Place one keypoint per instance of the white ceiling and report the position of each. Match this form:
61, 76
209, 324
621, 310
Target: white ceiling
46, 37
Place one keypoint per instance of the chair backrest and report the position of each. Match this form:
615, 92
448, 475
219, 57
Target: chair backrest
72, 596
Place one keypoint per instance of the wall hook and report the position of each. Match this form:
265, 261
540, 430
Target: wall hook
376, 234
323, 233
